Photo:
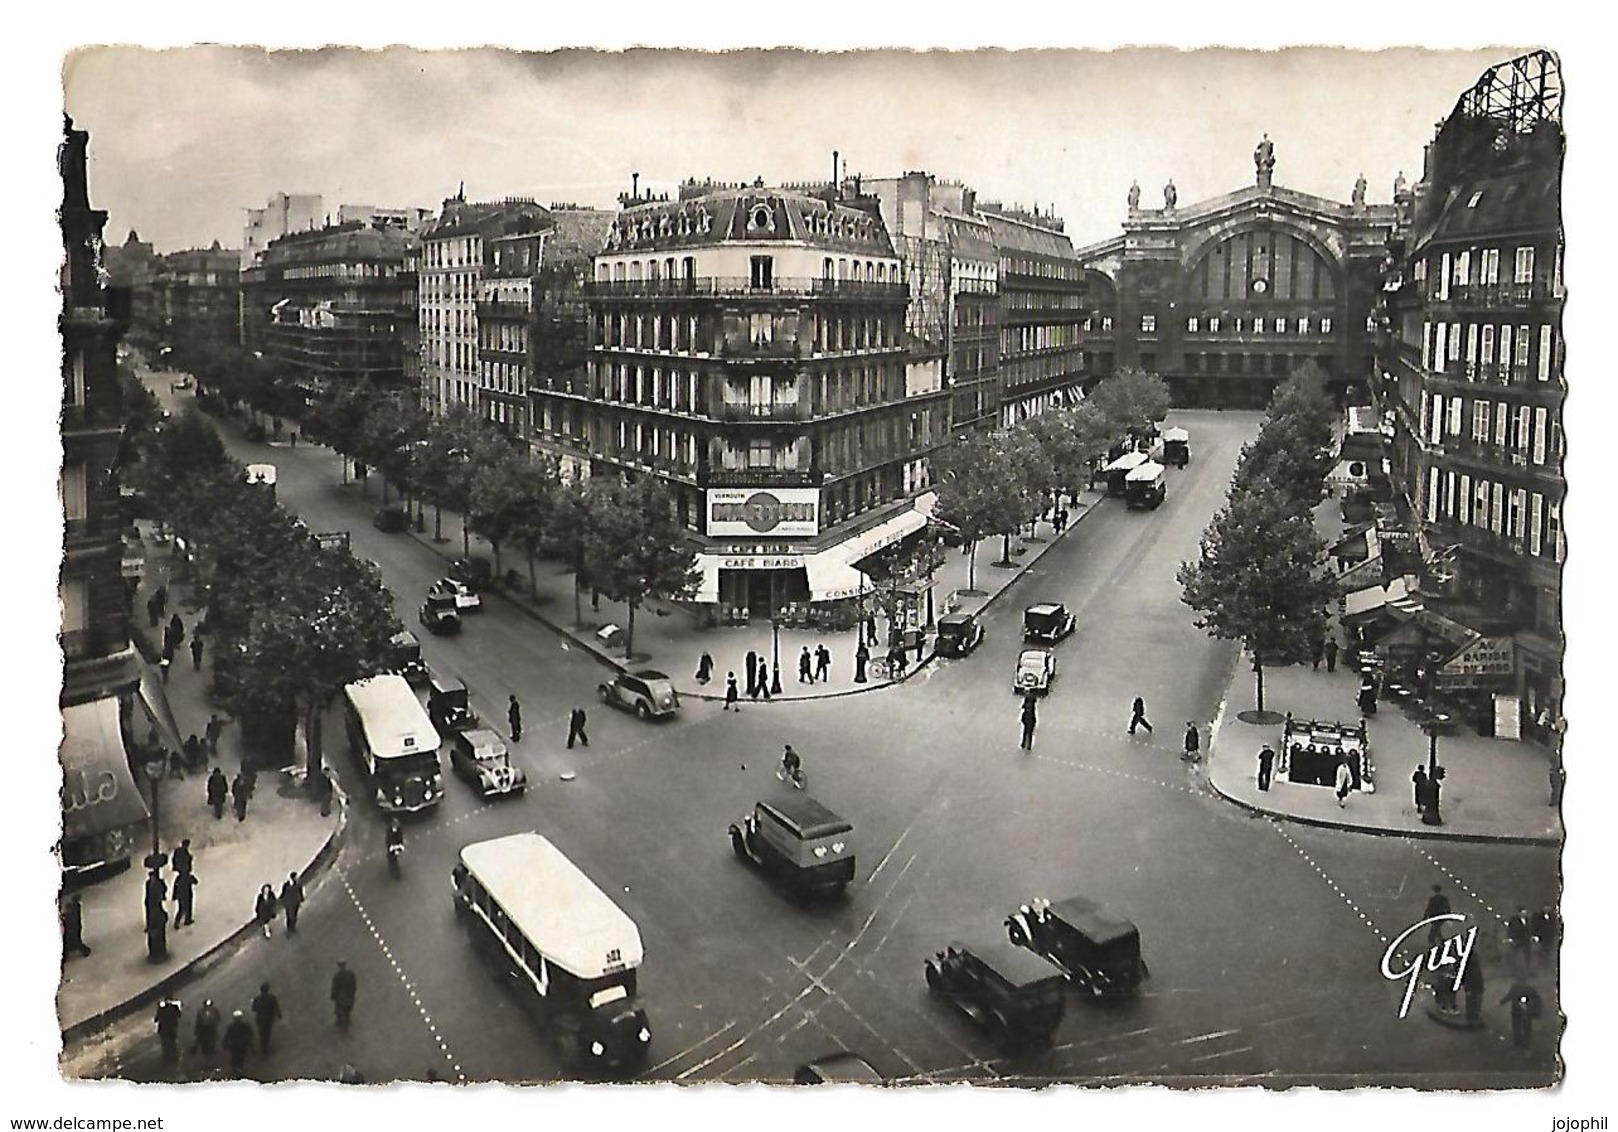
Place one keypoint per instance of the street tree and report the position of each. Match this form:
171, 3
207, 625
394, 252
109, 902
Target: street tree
573, 507
534, 491
1131, 400
392, 425
496, 497
1294, 447
1260, 578
987, 485
636, 548
1070, 441
338, 420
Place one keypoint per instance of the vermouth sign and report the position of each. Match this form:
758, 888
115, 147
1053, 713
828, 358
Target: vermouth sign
742, 512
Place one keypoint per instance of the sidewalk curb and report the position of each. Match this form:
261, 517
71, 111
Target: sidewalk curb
313, 871
618, 665
1424, 834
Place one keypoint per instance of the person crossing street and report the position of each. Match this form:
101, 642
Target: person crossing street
1137, 716
344, 988
1030, 719
514, 717
575, 728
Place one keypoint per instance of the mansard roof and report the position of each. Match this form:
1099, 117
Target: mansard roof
747, 216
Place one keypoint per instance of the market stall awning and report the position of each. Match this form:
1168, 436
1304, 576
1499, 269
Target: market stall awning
98, 791
831, 579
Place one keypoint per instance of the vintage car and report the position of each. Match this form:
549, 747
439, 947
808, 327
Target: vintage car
403, 657
648, 693
1047, 621
480, 757
473, 572
449, 706
1036, 668
840, 1068
439, 615
466, 598
958, 634
799, 842
1097, 951
391, 520
1009, 991
1176, 447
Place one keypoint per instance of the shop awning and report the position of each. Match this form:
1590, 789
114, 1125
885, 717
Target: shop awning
155, 702
872, 539
831, 579
1373, 599
98, 791
708, 586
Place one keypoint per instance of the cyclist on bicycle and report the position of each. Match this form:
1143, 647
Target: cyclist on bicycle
791, 764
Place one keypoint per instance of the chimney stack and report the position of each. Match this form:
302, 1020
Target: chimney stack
835, 182
634, 192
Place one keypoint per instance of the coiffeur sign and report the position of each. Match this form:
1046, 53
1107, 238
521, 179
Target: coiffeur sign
749, 512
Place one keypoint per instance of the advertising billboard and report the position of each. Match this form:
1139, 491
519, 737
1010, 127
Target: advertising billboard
747, 512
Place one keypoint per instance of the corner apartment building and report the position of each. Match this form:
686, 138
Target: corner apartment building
197, 294
334, 305
1471, 373
456, 254
748, 348
103, 812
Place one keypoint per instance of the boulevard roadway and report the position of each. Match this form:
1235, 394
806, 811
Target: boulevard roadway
1263, 938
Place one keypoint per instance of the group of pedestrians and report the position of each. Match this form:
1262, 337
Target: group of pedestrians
289, 901
238, 792
1525, 933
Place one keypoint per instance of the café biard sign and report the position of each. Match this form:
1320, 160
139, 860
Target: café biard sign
749, 512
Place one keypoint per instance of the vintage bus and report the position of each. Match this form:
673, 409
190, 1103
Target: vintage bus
392, 738
564, 938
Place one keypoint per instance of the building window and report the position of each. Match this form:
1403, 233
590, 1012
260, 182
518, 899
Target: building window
73, 379
1540, 420
763, 272
1106, 323
1148, 324
1520, 360
1435, 419
1325, 326
1190, 324
1488, 346
1489, 267
74, 596
1465, 493
1536, 524
1524, 268
1453, 426
75, 503
758, 454
1546, 349
1463, 269
1480, 421
1280, 326
1501, 412
1432, 494
1213, 324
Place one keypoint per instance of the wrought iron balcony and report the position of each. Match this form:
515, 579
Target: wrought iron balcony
743, 286
762, 411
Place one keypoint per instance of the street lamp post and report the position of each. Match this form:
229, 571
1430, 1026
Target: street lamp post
775, 635
1431, 814
154, 765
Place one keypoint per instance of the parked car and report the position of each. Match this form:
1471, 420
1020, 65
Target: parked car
1012, 993
1036, 668
958, 634
391, 520
439, 615
479, 756
1047, 621
840, 1068
466, 598
648, 693
403, 657
473, 572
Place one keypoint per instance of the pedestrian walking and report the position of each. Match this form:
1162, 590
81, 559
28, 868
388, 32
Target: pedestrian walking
704, 669
732, 694
514, 717
266, 1013
211, 733
196, 652
344, 988
1345, 783
862, 657
157, 891
205, 1031
160, 597
758, 685
1520, 939
153, 613
752, 674
1525, 1007
822, 662
1137, 716
264, 909
192, 757
764, 678
1418, 781
1331, 654
73, 928
1030, 719
238, 1041
176, 630
168, 1018
575, 728
239, 793
181, 860
1437, 905
1193, 741
157, 933
218, 792
870, 628
1266, 765
806, 667
185, 887
291, 901
1472, 987
1317, 651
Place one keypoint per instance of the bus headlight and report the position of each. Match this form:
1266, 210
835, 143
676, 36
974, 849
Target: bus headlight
836, 846
645, 1034
597, 1048
820, 850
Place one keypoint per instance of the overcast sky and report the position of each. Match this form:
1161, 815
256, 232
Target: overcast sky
183, 140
